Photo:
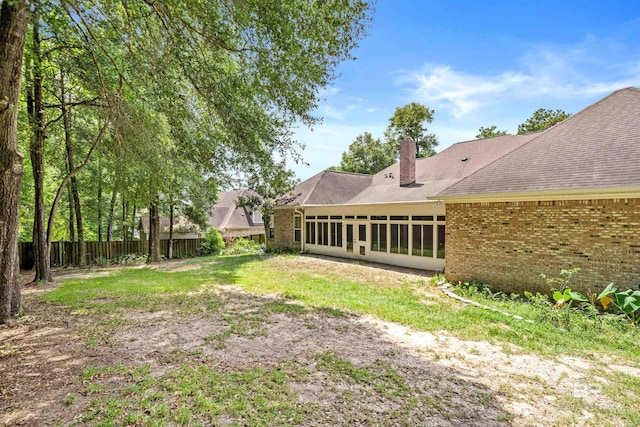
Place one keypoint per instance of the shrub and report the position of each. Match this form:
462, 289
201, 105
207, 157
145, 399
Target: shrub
214, 243
244, 246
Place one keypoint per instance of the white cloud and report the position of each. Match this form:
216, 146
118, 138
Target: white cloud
554, 72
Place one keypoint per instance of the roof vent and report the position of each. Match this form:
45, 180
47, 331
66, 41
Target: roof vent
464, 159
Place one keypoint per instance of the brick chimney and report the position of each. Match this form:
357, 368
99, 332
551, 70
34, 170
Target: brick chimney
407, 162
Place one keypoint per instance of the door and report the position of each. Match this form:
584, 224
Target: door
356, 238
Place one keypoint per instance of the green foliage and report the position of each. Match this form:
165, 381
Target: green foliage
214, 243
244, 246
627, 302
408, 122
542, 119
367, 155
488, 132
563, 295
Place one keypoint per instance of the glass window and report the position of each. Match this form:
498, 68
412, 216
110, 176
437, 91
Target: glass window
311, 233
362, 233
399, 218
394, 239
379, 218
441, 234
323, 233
427, 240
362, 217
374, 237
422, 217
416, 243
336, 234
440, 217
297, 227
404, 239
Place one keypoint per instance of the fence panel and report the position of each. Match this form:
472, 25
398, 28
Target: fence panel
68, 253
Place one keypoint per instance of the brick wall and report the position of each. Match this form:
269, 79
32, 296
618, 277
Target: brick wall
283, 230
508, 245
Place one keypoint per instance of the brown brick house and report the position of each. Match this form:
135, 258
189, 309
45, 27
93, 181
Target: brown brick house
502, 210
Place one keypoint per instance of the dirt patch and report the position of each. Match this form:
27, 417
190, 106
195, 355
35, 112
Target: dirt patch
418, 377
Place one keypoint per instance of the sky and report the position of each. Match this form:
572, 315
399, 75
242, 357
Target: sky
476, 63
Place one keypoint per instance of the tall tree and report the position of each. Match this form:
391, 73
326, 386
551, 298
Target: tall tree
488, 132
267, 186
367, 155
542, 119
409, 122
14, 17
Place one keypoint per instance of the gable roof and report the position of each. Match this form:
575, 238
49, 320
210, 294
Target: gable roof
224, 214
181, 224
436, 173
596, 149
326, 188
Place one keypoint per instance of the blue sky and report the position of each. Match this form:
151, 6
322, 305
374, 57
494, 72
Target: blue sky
477, 63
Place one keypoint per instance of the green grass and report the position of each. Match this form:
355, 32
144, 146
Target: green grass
330, 292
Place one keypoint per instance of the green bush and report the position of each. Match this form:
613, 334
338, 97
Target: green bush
244, 246
214, 243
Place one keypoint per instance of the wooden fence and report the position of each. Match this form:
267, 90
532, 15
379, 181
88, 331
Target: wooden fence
68, 253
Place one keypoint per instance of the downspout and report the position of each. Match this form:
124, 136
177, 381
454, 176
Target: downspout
302, 228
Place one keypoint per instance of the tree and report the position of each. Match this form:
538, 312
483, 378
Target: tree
267, 186
542, 119
488, 132
408, 122
14, 16
217, 82
367, 155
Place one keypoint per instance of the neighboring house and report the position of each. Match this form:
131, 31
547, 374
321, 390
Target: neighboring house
501, 210
182, 228
234, 222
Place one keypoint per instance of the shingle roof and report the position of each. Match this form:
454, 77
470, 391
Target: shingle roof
181, 224
597, 148
224, 215
436, 173
327, 188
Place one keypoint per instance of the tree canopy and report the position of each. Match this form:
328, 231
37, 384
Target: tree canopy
542, 119
367, 155
488, 132
155, 94
409, 122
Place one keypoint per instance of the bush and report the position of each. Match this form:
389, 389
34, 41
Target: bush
244, 246
214, 243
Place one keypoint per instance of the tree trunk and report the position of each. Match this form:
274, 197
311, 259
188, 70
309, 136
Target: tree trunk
133, 221
14, 18
154, 232
99, 203
124, 218
112, 211
72, 217
35, 110
66, 120
171, 231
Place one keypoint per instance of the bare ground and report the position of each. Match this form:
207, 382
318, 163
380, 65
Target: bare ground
454, 382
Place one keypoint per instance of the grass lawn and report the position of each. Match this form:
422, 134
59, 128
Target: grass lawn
193, 388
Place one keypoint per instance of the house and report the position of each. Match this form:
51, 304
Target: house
234, 222
501, 210
182, 228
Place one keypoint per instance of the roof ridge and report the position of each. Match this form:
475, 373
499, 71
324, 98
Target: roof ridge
319, 175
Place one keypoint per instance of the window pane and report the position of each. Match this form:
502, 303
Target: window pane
427, 240
296, 221
394, 238
313, 233
422, 217
339, 234
296, 235
441, 241
441, 218
362, 232
404, 238
416, 241
374, 237
383, 237
308, 232
399, 218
